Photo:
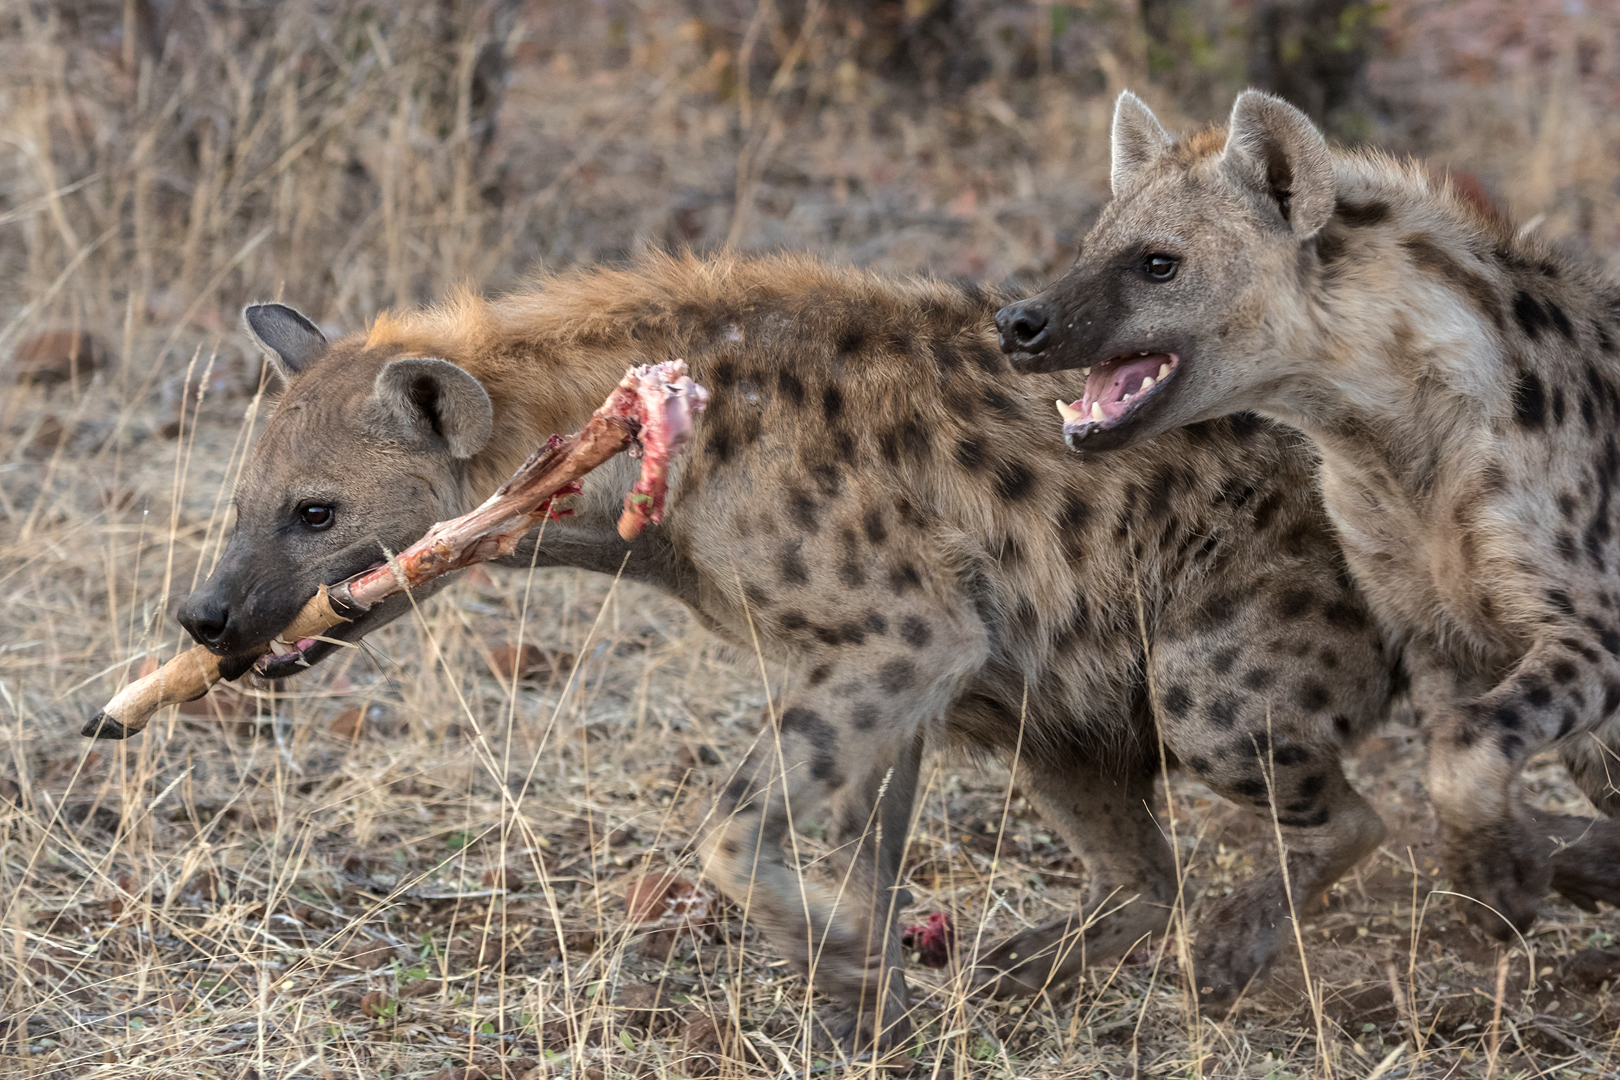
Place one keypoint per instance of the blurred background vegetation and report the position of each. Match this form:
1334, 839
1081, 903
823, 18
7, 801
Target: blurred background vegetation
167, 160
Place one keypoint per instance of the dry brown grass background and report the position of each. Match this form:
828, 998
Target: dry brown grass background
407, 863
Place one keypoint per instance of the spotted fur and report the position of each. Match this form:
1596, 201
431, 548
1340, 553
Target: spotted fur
1462, 385
875, 501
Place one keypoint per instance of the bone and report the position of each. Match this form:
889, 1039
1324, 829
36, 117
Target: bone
651, 410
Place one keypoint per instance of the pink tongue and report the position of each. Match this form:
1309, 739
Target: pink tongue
1108, 384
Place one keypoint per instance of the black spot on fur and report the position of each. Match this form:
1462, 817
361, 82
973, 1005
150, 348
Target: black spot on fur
1223, 660
970, 454
1560, 321
1566, 547
903, 578
793, 620
1250, 789
896, 676
1361, 215
823, 740
1558, 405
790, 387
1611, 698
802, 509
915, 632
865, 716
1177, 701
1266, 509
791, 564
1289, 756
1531, 315
1508, 717
1530, 400
820, 675
908, 441
738, 791
1428, 256
873, 523
1223, 711
832, 402
1014, 480
1314, 821
1564, 672
719, 444
875, 623
1258, 678
851, 574
1313, 696
1293, 603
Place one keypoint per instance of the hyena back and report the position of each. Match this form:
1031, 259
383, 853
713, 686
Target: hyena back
1462, 385
870, 498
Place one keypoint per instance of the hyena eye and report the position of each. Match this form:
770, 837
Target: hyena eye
316, 516
1160, 267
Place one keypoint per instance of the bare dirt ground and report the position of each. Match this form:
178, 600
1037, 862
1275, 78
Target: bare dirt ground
411, 864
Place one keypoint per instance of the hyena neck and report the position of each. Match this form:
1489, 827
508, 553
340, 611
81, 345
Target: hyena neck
1405, 350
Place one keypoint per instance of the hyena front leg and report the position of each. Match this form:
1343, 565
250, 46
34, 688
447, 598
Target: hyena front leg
1496, 852
1260, 704
852, 737
1103, 810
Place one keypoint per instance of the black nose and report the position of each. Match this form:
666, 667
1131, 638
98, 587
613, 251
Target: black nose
1024, 327
206, 618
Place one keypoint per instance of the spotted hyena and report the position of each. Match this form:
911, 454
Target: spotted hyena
1462, 387
873, 497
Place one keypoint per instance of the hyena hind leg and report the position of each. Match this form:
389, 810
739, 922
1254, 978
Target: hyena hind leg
1103, 814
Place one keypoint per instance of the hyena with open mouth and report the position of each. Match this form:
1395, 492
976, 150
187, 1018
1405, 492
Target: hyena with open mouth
872, 496
1462, 386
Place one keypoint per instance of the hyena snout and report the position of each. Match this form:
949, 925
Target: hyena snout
207, 617
1025, 326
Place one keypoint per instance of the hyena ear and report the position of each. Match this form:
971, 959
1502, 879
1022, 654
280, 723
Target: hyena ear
292, 341
421, 398
1138, 141
1274, 149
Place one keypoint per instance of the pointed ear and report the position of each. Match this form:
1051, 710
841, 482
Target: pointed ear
1272, 148
292, 341
1138, 141
430, 400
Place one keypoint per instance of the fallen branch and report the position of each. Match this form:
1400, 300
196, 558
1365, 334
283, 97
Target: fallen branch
651, 409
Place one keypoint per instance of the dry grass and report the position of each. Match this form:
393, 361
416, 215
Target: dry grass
404, 862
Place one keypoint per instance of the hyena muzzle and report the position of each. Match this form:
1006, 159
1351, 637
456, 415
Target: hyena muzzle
873, 499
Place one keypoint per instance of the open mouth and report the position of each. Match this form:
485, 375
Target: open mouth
301, 656
1116, 389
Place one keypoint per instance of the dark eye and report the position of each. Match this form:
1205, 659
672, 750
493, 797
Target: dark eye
1160, 267
316, 516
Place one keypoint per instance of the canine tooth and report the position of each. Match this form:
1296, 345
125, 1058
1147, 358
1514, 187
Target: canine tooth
1096, 411
1164, 369
1068, 412
1147, 383
1084, 372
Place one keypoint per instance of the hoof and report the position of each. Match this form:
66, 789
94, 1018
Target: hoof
102, 726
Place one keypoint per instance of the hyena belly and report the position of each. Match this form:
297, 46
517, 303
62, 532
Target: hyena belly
889, 516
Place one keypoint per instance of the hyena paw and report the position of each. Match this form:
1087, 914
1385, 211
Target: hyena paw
859, 1034
1505, 871
1587, 871
1027, 963
1237, 940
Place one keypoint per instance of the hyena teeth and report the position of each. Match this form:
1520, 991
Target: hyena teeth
1096, 411
1068, 412
1147, 383
1164, 369
1084, 372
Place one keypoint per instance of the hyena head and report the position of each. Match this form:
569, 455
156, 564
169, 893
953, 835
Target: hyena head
364, 451
1179, 302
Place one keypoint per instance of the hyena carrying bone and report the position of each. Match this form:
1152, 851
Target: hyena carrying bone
871, 496
1462, 386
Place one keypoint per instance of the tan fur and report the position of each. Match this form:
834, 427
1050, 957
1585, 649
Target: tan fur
896, 523
1460, 383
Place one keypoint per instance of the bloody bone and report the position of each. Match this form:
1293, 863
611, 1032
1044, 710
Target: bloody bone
649, 412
